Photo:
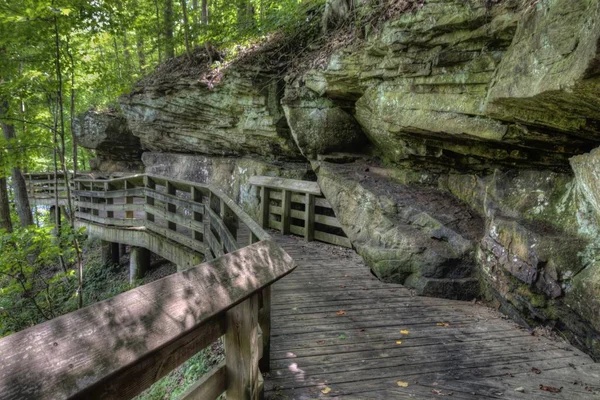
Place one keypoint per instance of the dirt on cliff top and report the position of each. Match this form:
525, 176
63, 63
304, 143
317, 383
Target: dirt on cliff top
283, 53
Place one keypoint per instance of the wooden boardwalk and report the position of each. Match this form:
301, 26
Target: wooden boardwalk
339, 332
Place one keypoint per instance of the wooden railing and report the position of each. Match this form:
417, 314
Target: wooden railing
119, 347
298, 207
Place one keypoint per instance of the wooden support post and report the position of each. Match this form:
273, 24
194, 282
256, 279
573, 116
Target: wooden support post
129, 200
150, 186
122, 249
171, 207
309, 218
115, 256
198, 217
109, 201
265, 202
252, 238
241, 351
139, 262
286, 206
264, 320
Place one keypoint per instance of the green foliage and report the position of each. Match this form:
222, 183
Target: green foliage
32, 288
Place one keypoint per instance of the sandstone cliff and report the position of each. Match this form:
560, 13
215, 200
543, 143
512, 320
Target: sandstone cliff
467, 130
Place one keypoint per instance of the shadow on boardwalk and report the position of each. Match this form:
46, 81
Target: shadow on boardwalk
339, 332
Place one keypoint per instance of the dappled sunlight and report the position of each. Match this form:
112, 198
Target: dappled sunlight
81, 349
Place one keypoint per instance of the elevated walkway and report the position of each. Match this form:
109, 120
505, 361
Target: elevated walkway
328, 330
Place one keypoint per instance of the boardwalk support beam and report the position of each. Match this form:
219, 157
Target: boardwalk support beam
139, 263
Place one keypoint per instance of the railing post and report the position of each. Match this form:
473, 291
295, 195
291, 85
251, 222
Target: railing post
309, 218
286, 206
171, 207
198, 217
109, 201
241, 351
150, 186
264, 320
265, 203
129, 200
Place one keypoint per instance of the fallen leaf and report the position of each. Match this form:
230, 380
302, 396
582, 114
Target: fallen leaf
326, 390
436, 391
444, 324
536, 371
398, 341
341, 312
342, 286
342, 336
320, 342
550, 389
520, 389
404, 332
402, 384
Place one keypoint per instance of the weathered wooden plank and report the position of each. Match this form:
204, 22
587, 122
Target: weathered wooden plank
108, 221
293, 185
242, 216
327, 220
242, 351
177, 201
333, 239
178, 219
166, 321
275, 210
217, 223
211, 386
274, 224
135, 192
297, 230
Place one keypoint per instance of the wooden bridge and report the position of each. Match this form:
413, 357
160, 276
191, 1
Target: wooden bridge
330, 329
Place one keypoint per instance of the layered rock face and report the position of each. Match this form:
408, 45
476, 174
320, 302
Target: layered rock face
467, 133
117, 149
240, 116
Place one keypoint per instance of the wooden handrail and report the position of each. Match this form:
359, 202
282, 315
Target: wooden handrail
290, 200
119, 347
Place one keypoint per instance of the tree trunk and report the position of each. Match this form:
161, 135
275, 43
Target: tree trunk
186, 28
195, 13
205, 12
139, 44
5, 221
158, 32
168, 29
19, 184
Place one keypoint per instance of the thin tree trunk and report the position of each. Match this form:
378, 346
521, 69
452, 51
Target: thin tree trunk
118, 62
72, 112
186, 28
204, 12
195, 13
5, 220
158, 32
19, 184
139, 44
168, 29
61, 111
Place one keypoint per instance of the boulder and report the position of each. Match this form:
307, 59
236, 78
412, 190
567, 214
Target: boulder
318, 125
410, 234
